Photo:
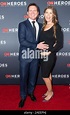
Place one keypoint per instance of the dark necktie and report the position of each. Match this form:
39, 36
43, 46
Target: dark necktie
34, 28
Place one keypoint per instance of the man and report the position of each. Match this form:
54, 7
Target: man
29, 42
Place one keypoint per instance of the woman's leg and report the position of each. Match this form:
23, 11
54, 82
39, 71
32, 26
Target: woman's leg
48, 82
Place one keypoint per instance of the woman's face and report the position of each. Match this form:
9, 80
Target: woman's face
48, 15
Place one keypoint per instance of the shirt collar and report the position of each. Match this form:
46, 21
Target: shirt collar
31, 20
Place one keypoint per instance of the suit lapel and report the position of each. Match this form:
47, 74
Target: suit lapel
40, 26
30, 27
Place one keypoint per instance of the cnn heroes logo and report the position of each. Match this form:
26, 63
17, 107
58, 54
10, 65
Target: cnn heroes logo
2, 42
12, 76
3, 65
61, 76
9, 30
13, 4
2, 17
59, 3
11, 54
64, 54
66, 29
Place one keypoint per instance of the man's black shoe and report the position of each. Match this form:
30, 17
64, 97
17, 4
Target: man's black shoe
33, 98
21, 103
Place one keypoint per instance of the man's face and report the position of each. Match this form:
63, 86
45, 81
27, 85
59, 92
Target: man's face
32, 12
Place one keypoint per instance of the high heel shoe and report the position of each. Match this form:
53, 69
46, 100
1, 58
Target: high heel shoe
45, 100
45, 94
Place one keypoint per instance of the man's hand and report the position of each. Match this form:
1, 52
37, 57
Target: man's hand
42, 45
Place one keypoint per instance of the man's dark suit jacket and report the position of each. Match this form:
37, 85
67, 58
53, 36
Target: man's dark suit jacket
26, 37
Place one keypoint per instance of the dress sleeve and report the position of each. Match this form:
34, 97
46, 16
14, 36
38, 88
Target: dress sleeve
59, 39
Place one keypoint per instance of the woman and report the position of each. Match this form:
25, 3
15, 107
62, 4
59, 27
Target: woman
52, 35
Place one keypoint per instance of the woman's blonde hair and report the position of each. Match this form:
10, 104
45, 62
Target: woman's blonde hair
54, 19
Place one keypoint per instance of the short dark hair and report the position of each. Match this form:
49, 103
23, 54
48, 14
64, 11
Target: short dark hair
33, 4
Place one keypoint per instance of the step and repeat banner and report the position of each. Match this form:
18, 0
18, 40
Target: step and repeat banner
11, 13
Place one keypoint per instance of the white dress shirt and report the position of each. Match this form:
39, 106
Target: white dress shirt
36, 25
